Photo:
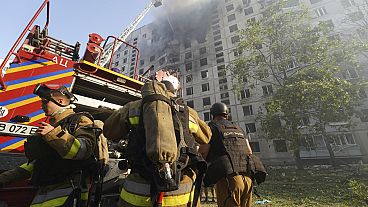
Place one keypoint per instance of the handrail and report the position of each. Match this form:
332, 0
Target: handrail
15, 45
110, 62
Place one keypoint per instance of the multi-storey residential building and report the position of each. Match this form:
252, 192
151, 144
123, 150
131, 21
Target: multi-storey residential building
202, 62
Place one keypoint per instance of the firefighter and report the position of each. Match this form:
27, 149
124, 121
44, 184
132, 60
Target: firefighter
137, 190
60, 163
227, 155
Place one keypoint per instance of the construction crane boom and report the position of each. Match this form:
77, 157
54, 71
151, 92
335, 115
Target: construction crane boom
106, 55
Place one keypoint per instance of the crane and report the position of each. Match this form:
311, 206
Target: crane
106, 54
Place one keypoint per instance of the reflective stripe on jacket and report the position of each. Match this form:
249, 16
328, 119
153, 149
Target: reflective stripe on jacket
55, 197
136, 192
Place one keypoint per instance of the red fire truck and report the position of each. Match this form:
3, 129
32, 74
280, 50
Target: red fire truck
40, 58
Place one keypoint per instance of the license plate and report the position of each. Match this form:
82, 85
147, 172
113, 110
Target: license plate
12, 129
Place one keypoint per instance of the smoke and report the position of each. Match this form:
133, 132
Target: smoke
178, 21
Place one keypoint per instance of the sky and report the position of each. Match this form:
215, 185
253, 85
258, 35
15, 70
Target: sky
70, 20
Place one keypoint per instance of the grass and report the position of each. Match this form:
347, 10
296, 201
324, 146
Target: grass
315, 187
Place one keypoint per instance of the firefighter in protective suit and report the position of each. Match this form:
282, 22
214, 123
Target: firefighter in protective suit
137, 190
227, 155
60, 163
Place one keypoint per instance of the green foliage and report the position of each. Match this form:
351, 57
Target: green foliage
302, 60
282, 43
360, 191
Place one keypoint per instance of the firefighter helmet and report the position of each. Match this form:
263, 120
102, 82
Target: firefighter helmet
46, 91
171, 82
219, 109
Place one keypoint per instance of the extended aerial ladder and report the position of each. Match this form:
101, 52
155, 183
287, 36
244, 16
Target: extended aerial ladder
106, 56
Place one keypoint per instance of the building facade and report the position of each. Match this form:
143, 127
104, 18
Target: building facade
202, 60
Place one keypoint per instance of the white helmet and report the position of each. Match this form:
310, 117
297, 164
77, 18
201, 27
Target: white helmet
174, 82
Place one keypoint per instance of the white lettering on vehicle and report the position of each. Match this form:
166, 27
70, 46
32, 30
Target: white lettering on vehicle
61, 62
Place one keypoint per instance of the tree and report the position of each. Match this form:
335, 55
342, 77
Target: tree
300, 59
315, 95
356, 23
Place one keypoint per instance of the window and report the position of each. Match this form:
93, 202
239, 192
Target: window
224, 95
248, 11
233, 28
221, 73
246, 2
217, 43
244, 94
216, 32
226, 102
250, 128
280, 145
218, 49
189, 91
221, 67
347, 3
206, 116
125, 52
188, 66
315, 1
206, 101
188, 55
203, 62
223, 80
152, 58
190, 103
364, 115
349, 138
205, 87
204, 74
320, 11
221, 54
217, 26
362, 93
267, 90
231, 18
255, 146
343, 139
144, 35
117, 55
141, 62
124, 60
122, 68
221, 60
223, 88
188, 78
352, 73
251, 20
215, 38
248, 110
235, 39
229, 7
216, 21
116, 63
202, 50
141, 71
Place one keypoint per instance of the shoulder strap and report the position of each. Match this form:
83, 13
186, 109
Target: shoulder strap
74, 119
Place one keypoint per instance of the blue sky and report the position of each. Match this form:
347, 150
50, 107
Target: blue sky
70, 20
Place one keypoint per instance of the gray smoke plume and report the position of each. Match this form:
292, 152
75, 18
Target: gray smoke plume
178, 21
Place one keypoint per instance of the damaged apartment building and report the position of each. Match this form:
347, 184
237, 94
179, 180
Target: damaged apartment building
198, 39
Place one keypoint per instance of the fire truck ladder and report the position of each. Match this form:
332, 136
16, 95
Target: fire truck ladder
111, 49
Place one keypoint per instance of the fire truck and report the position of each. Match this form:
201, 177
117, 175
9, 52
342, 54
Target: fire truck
40, 58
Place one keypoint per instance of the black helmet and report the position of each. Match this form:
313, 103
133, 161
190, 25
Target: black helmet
218, 109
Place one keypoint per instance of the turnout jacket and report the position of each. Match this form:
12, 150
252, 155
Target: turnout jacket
136, 190
76, 147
